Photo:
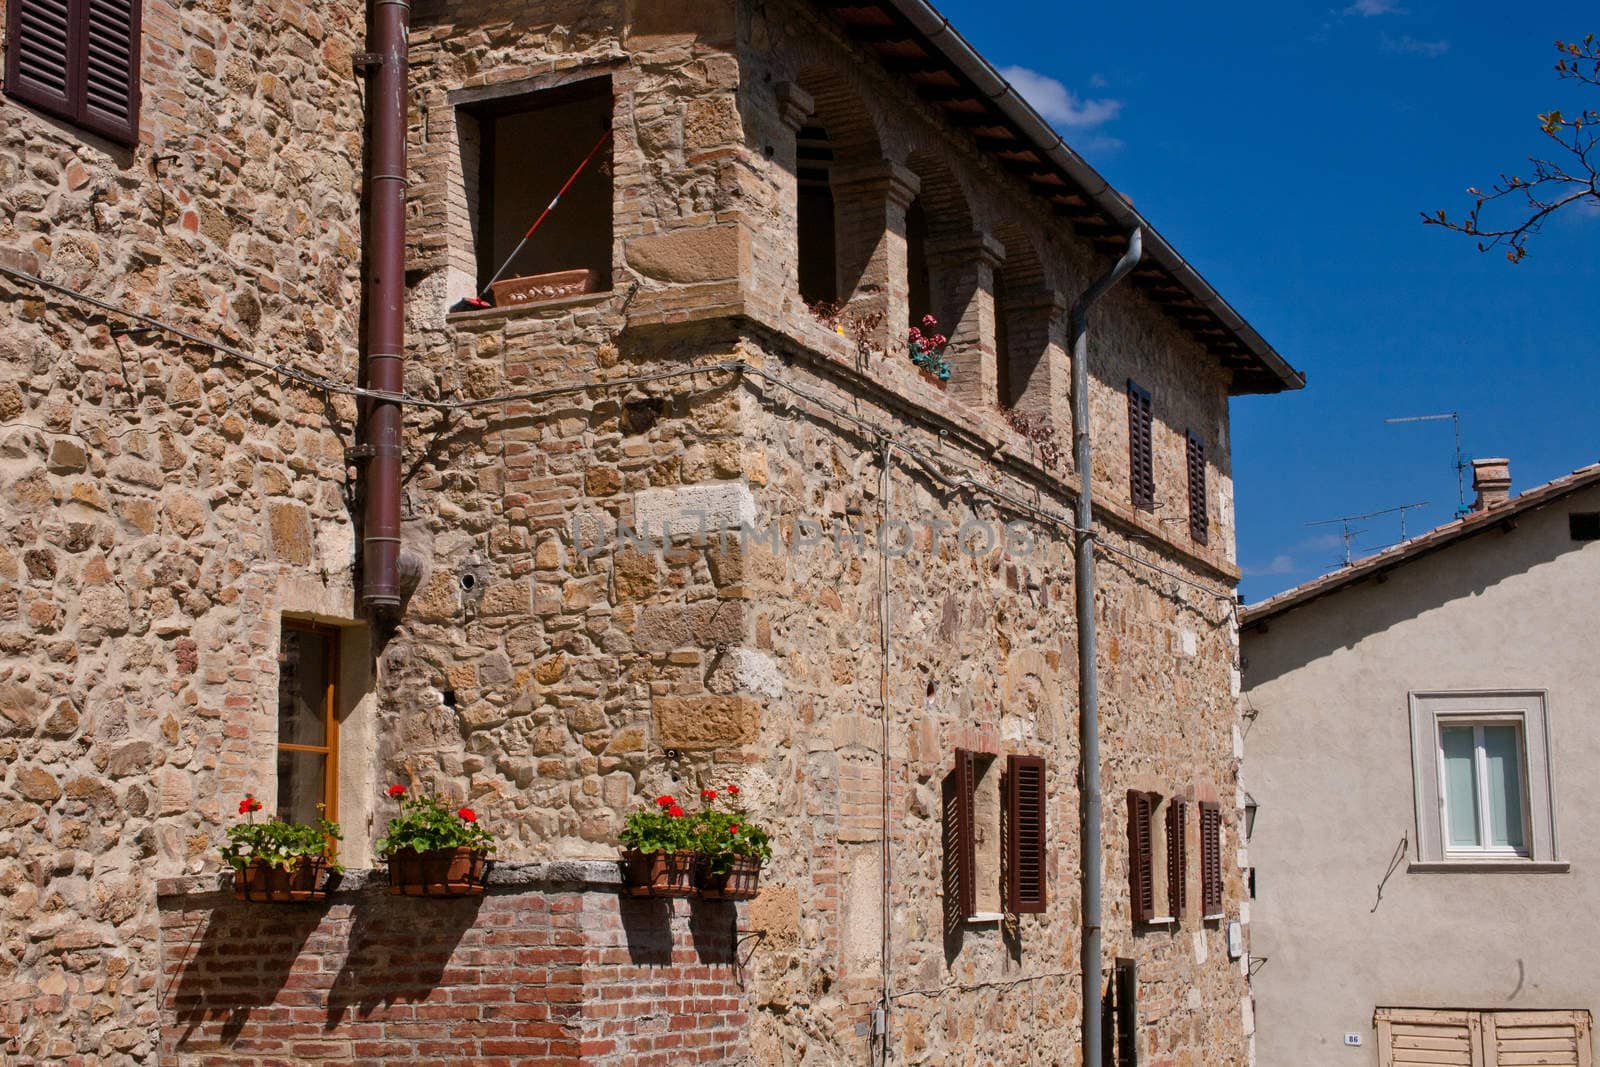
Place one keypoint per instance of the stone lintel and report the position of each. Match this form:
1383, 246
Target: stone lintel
705, 721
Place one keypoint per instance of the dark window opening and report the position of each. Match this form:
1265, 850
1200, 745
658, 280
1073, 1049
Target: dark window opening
1584, 525
1119, 1016
814, 218
516, 156
1199, 521
1005, 392
308, 722
77, 60
919, 281
1141, 456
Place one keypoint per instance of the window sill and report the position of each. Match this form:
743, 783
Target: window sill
982, 917
556, 304
1159, 920
1214, 917
1499, 866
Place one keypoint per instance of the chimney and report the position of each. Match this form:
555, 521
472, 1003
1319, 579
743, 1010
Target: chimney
1491, 480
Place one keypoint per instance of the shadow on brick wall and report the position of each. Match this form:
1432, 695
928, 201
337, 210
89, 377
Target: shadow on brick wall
240, 958
399, 950
646, 929
714, 929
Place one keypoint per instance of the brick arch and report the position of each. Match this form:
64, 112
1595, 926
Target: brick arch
841, 110
942, 197
1022, 318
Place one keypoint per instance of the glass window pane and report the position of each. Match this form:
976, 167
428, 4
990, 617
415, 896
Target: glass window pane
301, 776
1503, 758
303, 663
1460, 787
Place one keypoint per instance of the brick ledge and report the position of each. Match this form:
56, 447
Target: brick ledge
599, 875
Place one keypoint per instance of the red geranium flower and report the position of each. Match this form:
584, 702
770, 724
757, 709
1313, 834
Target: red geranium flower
675, 811
708, 794
397, 790
249, 804
665, 800
733, 829
467, 814
733, 790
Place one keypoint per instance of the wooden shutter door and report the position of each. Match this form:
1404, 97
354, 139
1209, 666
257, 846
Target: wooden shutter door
1177, 859
1141, 858
1559, 1038
1141, 449
1025, 836
1210, 860
1199, 521
1415, 1037
110, 100
966, 859
41, 41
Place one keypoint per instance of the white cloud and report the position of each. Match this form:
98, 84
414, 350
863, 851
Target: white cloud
1282, 563
1368, 8
1098, 81
1058, 104
1409, 45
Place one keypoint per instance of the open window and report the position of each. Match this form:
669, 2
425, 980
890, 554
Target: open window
815, 221
518, 155
308, 722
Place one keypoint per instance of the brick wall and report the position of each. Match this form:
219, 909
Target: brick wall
535, 973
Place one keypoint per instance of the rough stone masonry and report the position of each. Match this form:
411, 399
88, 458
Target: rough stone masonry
640, 577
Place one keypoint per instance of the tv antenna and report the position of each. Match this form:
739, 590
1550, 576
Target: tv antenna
1348, 534
1461, 464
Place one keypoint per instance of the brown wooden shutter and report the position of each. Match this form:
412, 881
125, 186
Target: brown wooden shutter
1210, 860
1025, 847
1177, 859
1141, 857
78, 60
966, 836
1199, 521
1141, 454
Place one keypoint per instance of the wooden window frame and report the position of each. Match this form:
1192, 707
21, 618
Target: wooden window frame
332, 636
74, 105
1141, 448
1195, 462
1480, 787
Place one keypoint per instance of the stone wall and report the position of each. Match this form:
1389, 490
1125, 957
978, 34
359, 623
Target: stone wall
166, 506
539, 973
161, 505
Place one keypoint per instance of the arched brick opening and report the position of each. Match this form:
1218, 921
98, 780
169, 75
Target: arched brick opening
1022, 321
839, 217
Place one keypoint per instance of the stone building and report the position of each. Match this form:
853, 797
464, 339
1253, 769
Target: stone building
681, 531
1453, 675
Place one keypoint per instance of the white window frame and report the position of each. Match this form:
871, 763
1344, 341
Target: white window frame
1523, 708
1480, 774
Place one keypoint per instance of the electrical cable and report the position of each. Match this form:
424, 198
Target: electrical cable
318, 380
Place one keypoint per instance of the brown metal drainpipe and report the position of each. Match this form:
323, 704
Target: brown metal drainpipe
386, 184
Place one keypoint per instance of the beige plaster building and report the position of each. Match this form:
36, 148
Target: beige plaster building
696, 526
1423, 735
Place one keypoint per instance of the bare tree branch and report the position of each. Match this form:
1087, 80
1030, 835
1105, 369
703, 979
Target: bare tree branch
1569, 176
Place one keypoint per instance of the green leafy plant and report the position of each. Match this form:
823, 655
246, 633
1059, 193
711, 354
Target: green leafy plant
722, 836
660, 828
426, 824
277, 843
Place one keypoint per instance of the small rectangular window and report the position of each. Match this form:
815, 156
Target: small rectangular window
77, 60
542, 154
308, 722
1585, 525
1141, 456
1482, 783
1199, 521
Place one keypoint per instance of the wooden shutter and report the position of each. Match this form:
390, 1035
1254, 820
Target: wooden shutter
1177, 859
1025, 848
966, 845
1411, 1037
1199, 521
1141, 454
78, 60
1210, 860
1141, 857
1559, 1038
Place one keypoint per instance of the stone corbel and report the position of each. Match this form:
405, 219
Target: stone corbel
795, 105
981, 249
895, 183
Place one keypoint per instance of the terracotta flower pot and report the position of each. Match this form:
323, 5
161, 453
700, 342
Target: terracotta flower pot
659, 874
933, 379
440, 872
264, 883
536, 288
739, 882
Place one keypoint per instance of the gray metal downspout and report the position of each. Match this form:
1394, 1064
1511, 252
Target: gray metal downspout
386, 293
1089, 806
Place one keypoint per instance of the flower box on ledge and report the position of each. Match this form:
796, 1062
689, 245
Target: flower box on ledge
264, 883
442, 872
659, 874
537, 288
742, 881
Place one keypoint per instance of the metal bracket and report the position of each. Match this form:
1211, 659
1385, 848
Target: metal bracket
365, 61
358, 453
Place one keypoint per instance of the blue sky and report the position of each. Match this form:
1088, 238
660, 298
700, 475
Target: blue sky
1287, 150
